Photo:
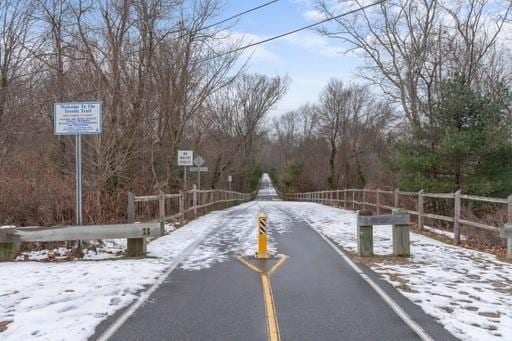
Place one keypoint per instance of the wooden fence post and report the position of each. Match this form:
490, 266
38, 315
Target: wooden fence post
135, 247
353, 199
131, 208
509, 219
456, 217
401, 237
397, 198
364, 236
194, 199
161, 211
420, 210
182, 207
365, 198
377, 200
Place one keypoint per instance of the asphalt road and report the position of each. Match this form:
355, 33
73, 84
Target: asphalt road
317, 296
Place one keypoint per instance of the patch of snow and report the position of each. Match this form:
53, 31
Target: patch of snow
56, 301
468, 291
443, 232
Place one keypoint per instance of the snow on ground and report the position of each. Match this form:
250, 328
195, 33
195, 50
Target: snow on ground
238, 236
468, 291
59, 301
266, 188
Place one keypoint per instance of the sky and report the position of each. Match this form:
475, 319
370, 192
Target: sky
308, 58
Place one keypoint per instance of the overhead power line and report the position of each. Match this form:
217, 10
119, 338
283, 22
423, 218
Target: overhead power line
252, 44
186, 30
303, 28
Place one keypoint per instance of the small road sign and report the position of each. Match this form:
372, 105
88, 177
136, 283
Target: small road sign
199, 169
77, 118
185, 158
198, 161
230, 178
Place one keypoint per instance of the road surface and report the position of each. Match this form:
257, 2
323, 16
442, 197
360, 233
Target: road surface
315, 294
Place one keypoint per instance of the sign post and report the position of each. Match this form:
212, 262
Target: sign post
185, 158
230, 179
198, 162
78, 118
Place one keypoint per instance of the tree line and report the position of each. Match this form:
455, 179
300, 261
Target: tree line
433, 111
429, 107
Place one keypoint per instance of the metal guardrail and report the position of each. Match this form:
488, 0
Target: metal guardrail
12, 238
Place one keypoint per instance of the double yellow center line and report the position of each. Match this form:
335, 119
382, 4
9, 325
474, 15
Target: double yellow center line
268, 297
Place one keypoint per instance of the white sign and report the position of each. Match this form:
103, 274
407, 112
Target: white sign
198, 161
230, 178
198, 169
185, 158
77, 118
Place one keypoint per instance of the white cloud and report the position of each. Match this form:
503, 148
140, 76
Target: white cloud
315, 44
314, 15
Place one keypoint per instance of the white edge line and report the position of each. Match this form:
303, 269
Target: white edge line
389, 301
114, 327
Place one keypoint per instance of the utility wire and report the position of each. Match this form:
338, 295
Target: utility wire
249, 45
33, 73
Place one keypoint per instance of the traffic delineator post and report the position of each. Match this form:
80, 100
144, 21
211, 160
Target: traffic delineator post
262, 227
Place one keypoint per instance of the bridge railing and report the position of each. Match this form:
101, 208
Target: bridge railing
184, 204
420, 205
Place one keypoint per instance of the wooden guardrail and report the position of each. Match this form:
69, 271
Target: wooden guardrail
353, 198
12, 238
176, 206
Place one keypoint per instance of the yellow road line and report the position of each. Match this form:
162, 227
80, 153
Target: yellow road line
277, 265
268, 298
248, 264
272, 326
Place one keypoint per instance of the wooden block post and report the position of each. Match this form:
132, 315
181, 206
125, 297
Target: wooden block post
136, 247
420, 210
8, 251
345, 199
353, 199
131, 208
509, 216
401, 237
365, 198
397, 198
507, 233
377, 200
161, 211
182, 207
364, 236
194, 200
456, 218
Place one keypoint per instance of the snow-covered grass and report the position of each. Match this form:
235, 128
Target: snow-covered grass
468, 291
66, 301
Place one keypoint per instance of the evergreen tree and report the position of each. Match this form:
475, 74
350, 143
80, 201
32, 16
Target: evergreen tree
464, 144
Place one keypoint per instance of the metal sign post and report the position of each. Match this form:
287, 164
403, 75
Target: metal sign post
198, 162
78, 118
185, 158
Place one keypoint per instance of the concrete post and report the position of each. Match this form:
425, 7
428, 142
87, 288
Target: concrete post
456, 218
401, 237
364, 237
420, 210
194, 199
